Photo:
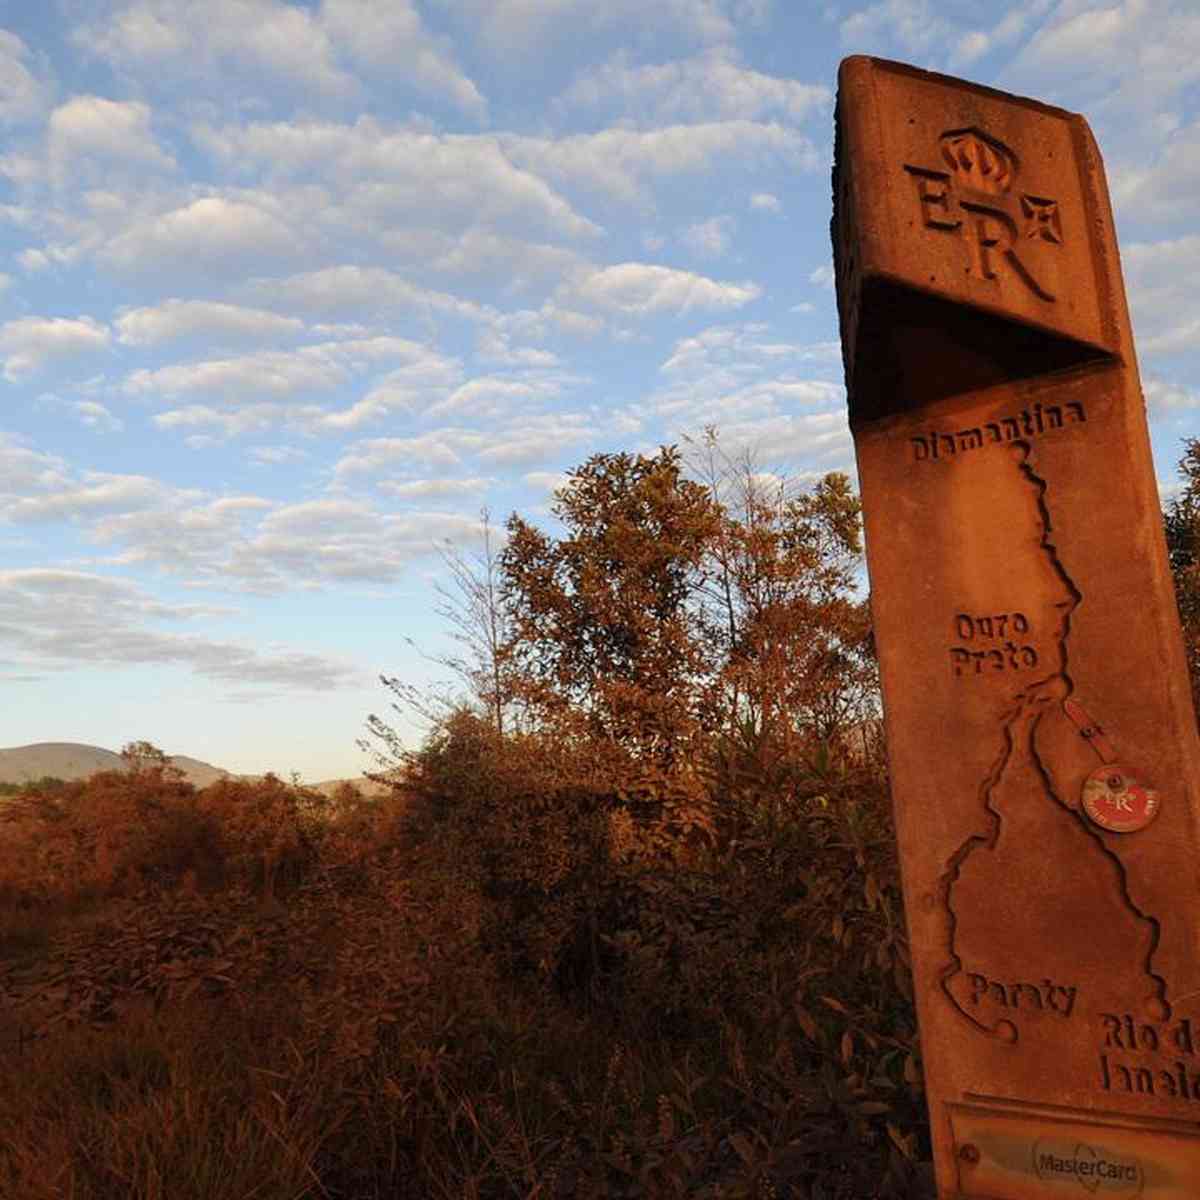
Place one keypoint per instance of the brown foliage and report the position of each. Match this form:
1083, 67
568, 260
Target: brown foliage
90, 837
511, 988
606, 642
778, 600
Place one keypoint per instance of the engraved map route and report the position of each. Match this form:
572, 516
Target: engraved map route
1003, 972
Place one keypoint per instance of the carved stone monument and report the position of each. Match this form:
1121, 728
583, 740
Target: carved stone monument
1044, 759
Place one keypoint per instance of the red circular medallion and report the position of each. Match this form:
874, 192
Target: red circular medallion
1116, 800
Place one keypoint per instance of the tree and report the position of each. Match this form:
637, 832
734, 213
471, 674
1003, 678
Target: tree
780, 598
143, 756
480, 621
1181, 520
606, 640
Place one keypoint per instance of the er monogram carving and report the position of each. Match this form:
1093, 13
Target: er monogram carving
972, 200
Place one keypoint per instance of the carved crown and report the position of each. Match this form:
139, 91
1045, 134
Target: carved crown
979, 162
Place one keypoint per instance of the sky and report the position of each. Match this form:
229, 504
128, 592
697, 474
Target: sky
289, 292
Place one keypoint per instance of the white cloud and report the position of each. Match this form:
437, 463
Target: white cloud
424, 454
280, 374
711, 238
351, 289
24, 470
392, 39
318, 518
61, 619
725, 401
242, 46
106, 590
546, 481
1164, 397
918, 27
33, 261
915, 25
29, 344
950, 32
388, 173
643, 289
338, 540
709, 87
1161, 190
219, 42
720, 346
517, 262
621, 161
443, 452
96, 416
765, 202
239, 541
97, 493
1083, 33
763, 393
1169, 490
489, 396
276, 455
818, 441
1130, 63
537, 439
1164, 293
495, 346
553, 317
210, 234
430, 489
822, 277
233, 504
247, 418
507, 28
92, 128
174, 319
1012, 26
183, 531
412, 388
22, 96
267, 376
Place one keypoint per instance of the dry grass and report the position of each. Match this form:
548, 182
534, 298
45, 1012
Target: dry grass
248, 999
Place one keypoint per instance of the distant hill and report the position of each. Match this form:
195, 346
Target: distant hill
366, 786
75, 760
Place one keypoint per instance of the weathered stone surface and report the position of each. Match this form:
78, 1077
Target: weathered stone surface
1021, 600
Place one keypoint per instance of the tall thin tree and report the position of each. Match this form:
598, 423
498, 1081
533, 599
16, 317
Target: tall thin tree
473, 604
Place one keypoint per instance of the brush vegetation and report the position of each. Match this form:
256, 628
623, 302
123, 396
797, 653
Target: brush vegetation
628, 924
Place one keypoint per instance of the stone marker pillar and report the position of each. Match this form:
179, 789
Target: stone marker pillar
1044, 760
